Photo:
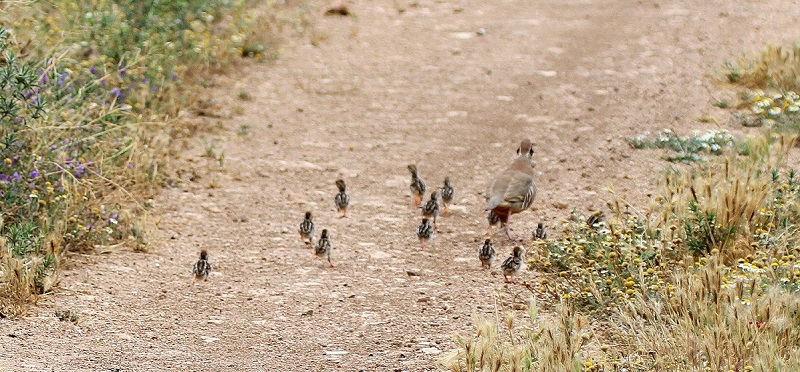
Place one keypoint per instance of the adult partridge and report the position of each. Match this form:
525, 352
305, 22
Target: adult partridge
512, 190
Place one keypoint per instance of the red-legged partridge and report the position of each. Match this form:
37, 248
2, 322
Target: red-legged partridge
512, 190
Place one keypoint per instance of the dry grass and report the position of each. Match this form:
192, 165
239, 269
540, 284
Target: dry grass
537, 345
709, 323
776, 67
705, 279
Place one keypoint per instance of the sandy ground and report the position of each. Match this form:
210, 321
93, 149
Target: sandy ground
451, 86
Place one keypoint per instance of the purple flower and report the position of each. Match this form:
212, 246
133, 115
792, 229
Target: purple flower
43, 80
80, 170
34, 173
103, 83
123, 72
116, 93
144, 80
61, 78
16, 177
93, 70
129, 165
4, 178
174, 77
154, 89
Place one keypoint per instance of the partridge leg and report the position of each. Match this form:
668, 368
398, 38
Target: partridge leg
508, 233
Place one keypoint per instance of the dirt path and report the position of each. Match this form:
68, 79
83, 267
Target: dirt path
382, 90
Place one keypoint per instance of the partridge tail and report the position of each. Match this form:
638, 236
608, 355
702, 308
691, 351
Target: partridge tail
494, 202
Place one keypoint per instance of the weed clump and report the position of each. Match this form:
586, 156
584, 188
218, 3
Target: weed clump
689, 149
776, 67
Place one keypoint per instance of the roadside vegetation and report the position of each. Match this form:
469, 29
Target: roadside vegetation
706, 277
91, 92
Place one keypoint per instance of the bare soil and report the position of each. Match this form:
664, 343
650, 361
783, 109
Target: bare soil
451, 86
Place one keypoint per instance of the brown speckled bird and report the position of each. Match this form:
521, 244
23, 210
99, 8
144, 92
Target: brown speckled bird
201, 268
424, 232
493, 221
342, 200
306, 230
324, 247
512, 190
540, 233
431, 208
513, 265
486, 254
447, 195
595, 218
417, 186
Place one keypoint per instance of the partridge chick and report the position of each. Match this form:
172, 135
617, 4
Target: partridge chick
512, 190
417, 185
324, 247
493, 221
447, 195
540, 233
431, 208
342, 200
486, 254
424, 232
595, 218
512, 265
306, 230
201, 268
